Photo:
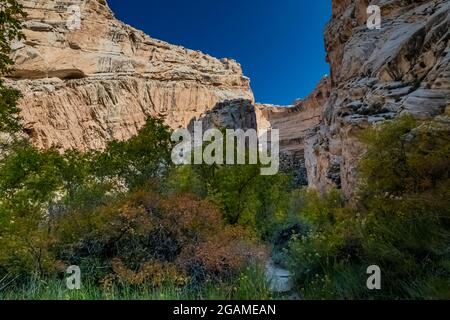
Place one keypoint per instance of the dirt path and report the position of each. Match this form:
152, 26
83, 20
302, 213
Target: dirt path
280, 279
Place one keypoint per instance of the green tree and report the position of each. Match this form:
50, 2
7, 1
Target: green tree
244, 196
29, 181
10, 29
144, 157
9, 113
37, 187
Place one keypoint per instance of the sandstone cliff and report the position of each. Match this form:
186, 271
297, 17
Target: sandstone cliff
83, 88
375, 75
294, 123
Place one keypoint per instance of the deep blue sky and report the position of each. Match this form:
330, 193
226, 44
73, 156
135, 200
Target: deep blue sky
278, 43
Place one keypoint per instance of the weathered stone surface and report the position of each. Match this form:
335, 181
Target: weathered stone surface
377, 75
294, 123
230, 114
83, 88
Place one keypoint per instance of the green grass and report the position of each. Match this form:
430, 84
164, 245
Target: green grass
251, 284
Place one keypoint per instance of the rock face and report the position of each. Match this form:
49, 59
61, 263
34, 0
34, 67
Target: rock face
294, 123
375, 75
84, 87
230, 114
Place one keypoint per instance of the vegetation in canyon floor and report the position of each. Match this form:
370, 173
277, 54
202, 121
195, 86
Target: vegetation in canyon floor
140, 228
399, 222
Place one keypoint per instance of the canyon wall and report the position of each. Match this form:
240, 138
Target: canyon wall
84, 87
376, 75
294, 123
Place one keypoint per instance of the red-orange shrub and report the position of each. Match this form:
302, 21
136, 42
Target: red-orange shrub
149, 238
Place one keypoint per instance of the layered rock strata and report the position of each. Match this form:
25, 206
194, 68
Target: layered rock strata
376, 75
84, 87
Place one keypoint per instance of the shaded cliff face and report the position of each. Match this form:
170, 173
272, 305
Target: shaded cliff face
83, 88
230, 114
294, 121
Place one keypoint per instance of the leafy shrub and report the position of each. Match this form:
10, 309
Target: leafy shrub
150, 273
401, 221
29, 180
242, 194
147, 237
39, 186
